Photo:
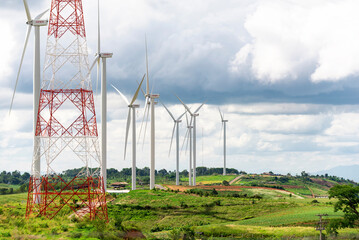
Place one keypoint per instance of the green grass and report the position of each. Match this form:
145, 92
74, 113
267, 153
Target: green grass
163, 213
13, 198
212, 179
3, 185
297, 215
161, 210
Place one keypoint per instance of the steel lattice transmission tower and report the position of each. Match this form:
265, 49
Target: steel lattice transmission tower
66, 130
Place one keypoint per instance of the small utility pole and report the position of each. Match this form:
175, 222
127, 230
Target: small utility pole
321, 225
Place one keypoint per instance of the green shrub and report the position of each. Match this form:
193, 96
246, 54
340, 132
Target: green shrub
183, 205
99, 225
76, 235
44, 225
188, 233
64, 228
214, 192
20, 223
81, 225
175, 234
5, 234
119, 223
74, 219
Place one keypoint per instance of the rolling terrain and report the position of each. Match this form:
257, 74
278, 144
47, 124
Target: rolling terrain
246, 206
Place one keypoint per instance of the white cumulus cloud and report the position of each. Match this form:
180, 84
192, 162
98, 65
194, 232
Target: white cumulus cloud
290, 39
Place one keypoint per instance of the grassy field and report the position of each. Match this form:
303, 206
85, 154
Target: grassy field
13, 198
212, 179
163, 214
254, 213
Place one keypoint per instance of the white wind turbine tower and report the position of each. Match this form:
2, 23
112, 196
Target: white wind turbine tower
189, 141
132, 106
36, 23
175, 127
150, 104
193, 115
224, 122
103, 56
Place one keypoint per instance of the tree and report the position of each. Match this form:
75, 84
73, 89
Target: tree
162, 172
348, 202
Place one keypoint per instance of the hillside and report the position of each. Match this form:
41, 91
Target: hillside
253, 206
348, 172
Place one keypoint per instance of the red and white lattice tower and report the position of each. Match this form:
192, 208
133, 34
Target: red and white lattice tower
66, 130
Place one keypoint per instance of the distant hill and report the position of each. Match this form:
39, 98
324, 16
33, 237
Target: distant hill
347, 172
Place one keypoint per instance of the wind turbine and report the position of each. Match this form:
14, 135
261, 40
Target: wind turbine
132, 106
224, 122
150, 104
175, 127
36, 23
104, 57
193, 115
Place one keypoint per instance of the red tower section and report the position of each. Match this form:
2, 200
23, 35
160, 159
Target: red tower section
66, 131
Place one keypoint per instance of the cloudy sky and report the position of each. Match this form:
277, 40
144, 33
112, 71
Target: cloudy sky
285, 74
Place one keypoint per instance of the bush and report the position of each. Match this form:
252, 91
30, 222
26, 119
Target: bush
188, 233
225, 183
214, 192
64, 228
76, 235
175, 234
183, 204
236, 195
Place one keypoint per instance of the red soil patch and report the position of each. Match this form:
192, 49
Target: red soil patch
287, 186
322, 182
134, 234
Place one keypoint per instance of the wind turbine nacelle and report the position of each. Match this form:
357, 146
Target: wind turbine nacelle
106, 55
38, 22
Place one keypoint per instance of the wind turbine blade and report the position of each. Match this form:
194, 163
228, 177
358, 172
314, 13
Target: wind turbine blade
148, 81
127, 129
199, 108
173, 133
188, 140
143, 92
27, 10
168, 111
22, 58
187, 121
41, 14
184, 140
137, 91
179, 118
144, 134
143, 119
153, 85
123, 96
220, 113
98, 74
98, 28
93, 64
186, 107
